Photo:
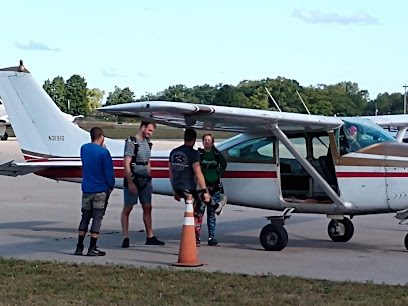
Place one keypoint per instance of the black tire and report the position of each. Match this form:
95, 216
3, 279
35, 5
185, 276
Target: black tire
348, 229
5, 136
273, 237
406, 241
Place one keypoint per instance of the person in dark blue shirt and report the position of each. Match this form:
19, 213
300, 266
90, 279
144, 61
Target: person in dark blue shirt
98, 180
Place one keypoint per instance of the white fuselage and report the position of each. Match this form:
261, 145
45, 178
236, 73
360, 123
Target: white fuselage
260, 173
370, 189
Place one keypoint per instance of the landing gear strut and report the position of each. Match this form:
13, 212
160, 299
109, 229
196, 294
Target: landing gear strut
5, 136
341, 230
402, 215
274, 236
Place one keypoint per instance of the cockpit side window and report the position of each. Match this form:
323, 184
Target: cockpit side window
260, 149
299, 143
320, 146
358, 133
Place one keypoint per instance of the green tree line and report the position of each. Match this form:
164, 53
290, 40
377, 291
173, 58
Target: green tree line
341, 99
73, 96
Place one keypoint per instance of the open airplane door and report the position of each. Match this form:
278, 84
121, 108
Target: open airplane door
297, 185
252, 170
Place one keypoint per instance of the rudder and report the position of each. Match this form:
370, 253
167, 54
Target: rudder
39, 125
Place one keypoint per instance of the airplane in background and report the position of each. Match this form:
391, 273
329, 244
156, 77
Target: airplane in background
4, 122
294, 163
72, 118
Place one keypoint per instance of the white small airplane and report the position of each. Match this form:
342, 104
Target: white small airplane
282, 161
4, 122
72, 118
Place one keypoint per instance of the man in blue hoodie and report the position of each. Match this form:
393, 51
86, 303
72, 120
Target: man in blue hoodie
97, 183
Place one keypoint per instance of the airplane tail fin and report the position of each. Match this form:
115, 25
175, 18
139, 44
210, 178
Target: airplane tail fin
41, 128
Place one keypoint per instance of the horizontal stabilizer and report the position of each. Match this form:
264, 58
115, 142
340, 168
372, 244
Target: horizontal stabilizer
10, 168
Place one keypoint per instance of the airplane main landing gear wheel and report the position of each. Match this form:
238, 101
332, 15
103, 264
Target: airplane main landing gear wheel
406, 241
274, 237
340, 230
4, 137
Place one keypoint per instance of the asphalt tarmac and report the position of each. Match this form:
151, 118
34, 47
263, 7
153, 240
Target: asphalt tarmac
39, 218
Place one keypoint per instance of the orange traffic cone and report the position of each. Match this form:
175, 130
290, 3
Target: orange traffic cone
188, 256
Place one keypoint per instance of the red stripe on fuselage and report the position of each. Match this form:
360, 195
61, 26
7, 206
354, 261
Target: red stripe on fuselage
153, 163
163, 163
67, 172
369, 174
250, 174
76, 172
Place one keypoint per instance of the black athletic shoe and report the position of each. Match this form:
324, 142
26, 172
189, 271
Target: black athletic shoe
79, 249
125, 243
212, 242
95, 252
153, 241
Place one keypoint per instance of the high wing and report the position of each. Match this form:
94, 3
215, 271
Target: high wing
221, 118
390, 120
10, 168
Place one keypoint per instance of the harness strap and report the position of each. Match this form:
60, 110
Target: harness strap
136, 145
140, 163
218, 166
133, 162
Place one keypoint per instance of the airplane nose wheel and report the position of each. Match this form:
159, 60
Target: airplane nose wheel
340, 230
274, 237
406, 241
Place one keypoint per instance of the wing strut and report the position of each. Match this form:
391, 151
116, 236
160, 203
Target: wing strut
309, 168
401, 133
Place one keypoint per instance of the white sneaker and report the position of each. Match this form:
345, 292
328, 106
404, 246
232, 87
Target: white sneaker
221, 204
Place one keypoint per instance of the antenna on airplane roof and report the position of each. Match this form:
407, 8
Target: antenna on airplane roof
276, 104
303, 102
21, 68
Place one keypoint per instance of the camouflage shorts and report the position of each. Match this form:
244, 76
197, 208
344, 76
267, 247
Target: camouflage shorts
96, 200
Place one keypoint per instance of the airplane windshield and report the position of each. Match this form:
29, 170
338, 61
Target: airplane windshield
357, 133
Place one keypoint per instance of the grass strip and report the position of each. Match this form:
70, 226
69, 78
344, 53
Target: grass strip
52, 283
